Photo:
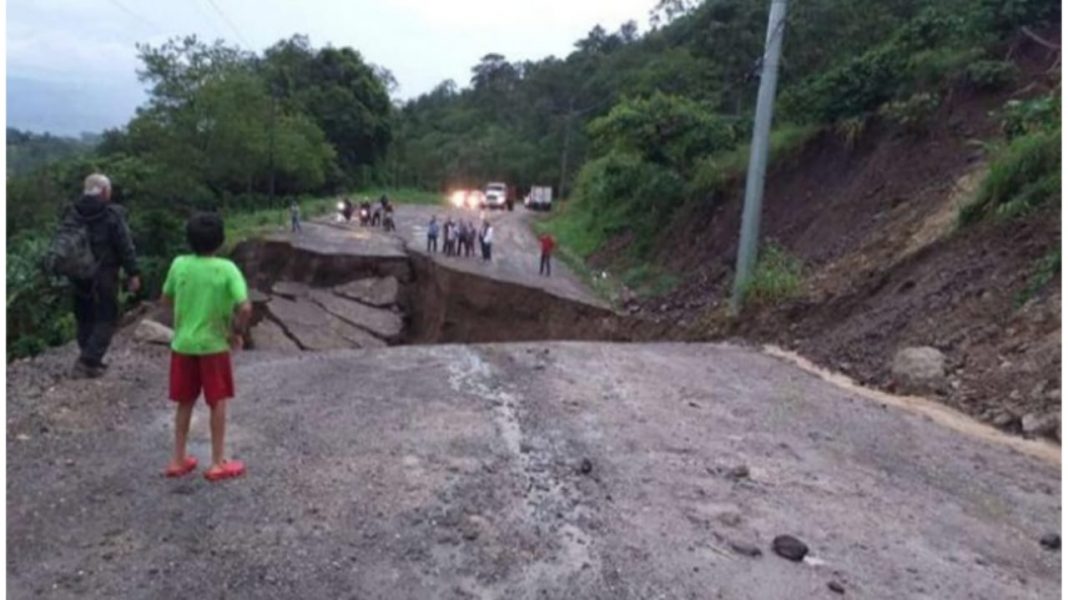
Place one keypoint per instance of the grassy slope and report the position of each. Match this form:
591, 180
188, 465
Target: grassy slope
579, 236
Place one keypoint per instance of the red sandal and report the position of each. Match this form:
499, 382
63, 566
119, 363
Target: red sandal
183, 469
228, 470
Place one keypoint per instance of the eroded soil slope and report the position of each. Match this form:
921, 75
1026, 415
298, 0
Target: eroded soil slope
873, 218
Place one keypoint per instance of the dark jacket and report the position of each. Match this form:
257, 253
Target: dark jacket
109, 235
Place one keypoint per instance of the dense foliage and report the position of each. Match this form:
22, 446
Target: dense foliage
631, 126
222, 130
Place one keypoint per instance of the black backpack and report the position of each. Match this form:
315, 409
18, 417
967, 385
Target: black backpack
71, 254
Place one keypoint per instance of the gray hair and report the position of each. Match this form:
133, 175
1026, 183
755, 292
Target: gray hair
96, 183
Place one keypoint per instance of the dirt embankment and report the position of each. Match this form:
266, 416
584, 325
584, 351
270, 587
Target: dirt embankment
448, 305
873, 219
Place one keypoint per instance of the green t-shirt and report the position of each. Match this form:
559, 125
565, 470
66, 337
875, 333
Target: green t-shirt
205, 290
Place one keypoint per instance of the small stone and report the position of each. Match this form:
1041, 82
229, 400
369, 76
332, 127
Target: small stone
730, 518
739, 472
151, 332
746, 549
1040, 424
789, 547
919, 369
1004, 420
1051, 541
586, 466
835, 587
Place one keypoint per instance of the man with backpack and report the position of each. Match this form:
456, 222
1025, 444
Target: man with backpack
90, 246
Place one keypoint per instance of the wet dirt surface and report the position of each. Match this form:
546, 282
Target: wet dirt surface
558, 470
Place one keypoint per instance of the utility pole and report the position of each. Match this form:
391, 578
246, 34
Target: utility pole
758, 155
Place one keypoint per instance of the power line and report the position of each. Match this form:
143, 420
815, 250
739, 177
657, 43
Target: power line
208, 19
133, 14
229, 23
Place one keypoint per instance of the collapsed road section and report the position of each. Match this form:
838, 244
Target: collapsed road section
343, 288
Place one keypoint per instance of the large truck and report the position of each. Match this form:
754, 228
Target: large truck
539, 198
496, 195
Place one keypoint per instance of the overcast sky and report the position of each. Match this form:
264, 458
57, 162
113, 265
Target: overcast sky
71, 63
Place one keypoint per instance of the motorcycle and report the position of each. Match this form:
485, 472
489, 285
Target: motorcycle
365, 215
344, 212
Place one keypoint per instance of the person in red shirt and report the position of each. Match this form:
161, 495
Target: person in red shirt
547, 246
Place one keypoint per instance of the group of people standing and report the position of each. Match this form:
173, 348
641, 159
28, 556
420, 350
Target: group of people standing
459, 237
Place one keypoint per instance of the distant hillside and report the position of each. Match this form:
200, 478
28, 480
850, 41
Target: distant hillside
27, 151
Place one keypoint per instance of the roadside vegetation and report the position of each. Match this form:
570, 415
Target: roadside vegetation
223, 130
629, 127
1046, 269
1025, 172
663, 120
778, 277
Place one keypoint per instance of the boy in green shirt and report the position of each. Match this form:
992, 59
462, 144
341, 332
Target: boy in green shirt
211, 306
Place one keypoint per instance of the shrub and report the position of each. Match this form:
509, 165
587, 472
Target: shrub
1026, 174
932, 68
622, 192
989, 74
38, 306
851, 129
1019, 117
776, 278
667, 130
713, 173
913, 113
1045, 269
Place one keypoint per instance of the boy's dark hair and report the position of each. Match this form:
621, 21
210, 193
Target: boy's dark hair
205, 233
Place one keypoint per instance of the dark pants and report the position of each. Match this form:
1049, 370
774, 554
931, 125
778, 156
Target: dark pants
546, 265
96, 311
487, 251
431, 243
295, 225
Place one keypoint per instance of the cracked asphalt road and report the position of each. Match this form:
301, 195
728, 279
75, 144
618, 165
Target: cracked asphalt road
556, 470
515, 249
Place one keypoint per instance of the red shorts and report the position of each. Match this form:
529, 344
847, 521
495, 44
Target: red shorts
211, 373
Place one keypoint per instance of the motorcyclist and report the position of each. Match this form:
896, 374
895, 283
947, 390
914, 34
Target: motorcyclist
365, 212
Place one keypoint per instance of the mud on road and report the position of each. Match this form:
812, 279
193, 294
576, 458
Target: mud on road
555, 470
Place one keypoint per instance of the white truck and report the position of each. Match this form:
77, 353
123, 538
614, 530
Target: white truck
496, 195
539, 198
